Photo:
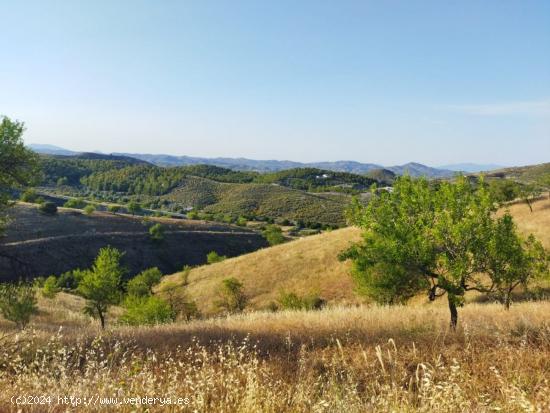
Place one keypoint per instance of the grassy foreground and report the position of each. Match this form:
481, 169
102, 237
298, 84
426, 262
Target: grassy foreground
336, 360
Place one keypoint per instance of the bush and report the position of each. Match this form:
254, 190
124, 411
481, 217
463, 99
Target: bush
18, 303
291, 301
142, 284
30, 196
192, 215
89, 210
48, 208
75, 203
231, 296
148, 310
213, 257
69, 280
185, 275
50, 288
273, 235
156, 232
114, 208
180, 305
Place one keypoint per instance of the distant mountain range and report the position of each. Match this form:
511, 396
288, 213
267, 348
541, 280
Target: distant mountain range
471, 167
244, 164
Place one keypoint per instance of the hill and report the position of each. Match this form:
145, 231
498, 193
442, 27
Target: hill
524, 174
244, 164
41, 245
310, 265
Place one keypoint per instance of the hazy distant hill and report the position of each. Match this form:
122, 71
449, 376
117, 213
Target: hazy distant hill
471, 167
244, 164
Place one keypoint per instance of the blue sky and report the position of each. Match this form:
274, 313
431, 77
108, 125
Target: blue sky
389, 82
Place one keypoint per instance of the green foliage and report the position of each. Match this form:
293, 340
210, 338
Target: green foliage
89, 209
231, 296
423, 236
213, 257
101, 284
273, 235
62, 181
48, 208
31, 196
76, 203
512, 260
114, 208
18, 303
146, 310
142, 284
156, 232
504, 190
50, 288
69, 280
291, 301
134, 208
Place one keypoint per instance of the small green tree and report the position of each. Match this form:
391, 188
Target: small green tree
146, 310
511, 260
292, 301
62, 181
179, 303
142, 284
89, 209
101, 284
528, 193
213, 257
157, 232
50, 288
18, 303
48, 208
185, 275
114, 208
231, 296
273, 234
134, 208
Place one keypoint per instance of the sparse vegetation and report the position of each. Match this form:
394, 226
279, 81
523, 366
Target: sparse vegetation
18, 302
273, 234
48, 208
213, 257
156, 232
231, 296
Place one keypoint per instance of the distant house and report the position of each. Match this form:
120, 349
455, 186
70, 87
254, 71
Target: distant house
324, 176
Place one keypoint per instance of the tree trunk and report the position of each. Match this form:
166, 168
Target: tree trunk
102, 319
507, 300
454, 312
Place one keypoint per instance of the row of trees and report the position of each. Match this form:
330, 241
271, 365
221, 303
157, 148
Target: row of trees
442, 238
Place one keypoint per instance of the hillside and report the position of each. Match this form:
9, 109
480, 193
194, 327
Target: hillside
525, 174
310, 265
41, 245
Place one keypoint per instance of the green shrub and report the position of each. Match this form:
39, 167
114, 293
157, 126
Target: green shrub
185, 274
213, 257
114, 208
18, 303
156, 232
30, 195
147, 310
142, 284
192, 215
231, 296
89, 209
292, 301
75, 203
50, 288
48, 208
180, 305
69, 280
273, 235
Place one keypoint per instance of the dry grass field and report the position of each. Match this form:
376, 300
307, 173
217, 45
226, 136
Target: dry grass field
355, 359
310, 265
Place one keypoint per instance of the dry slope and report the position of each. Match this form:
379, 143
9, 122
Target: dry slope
310, 265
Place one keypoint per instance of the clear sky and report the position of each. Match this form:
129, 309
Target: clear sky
379, 81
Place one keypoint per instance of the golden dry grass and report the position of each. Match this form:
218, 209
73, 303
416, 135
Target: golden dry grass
305, 266
379, 359
310, 265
